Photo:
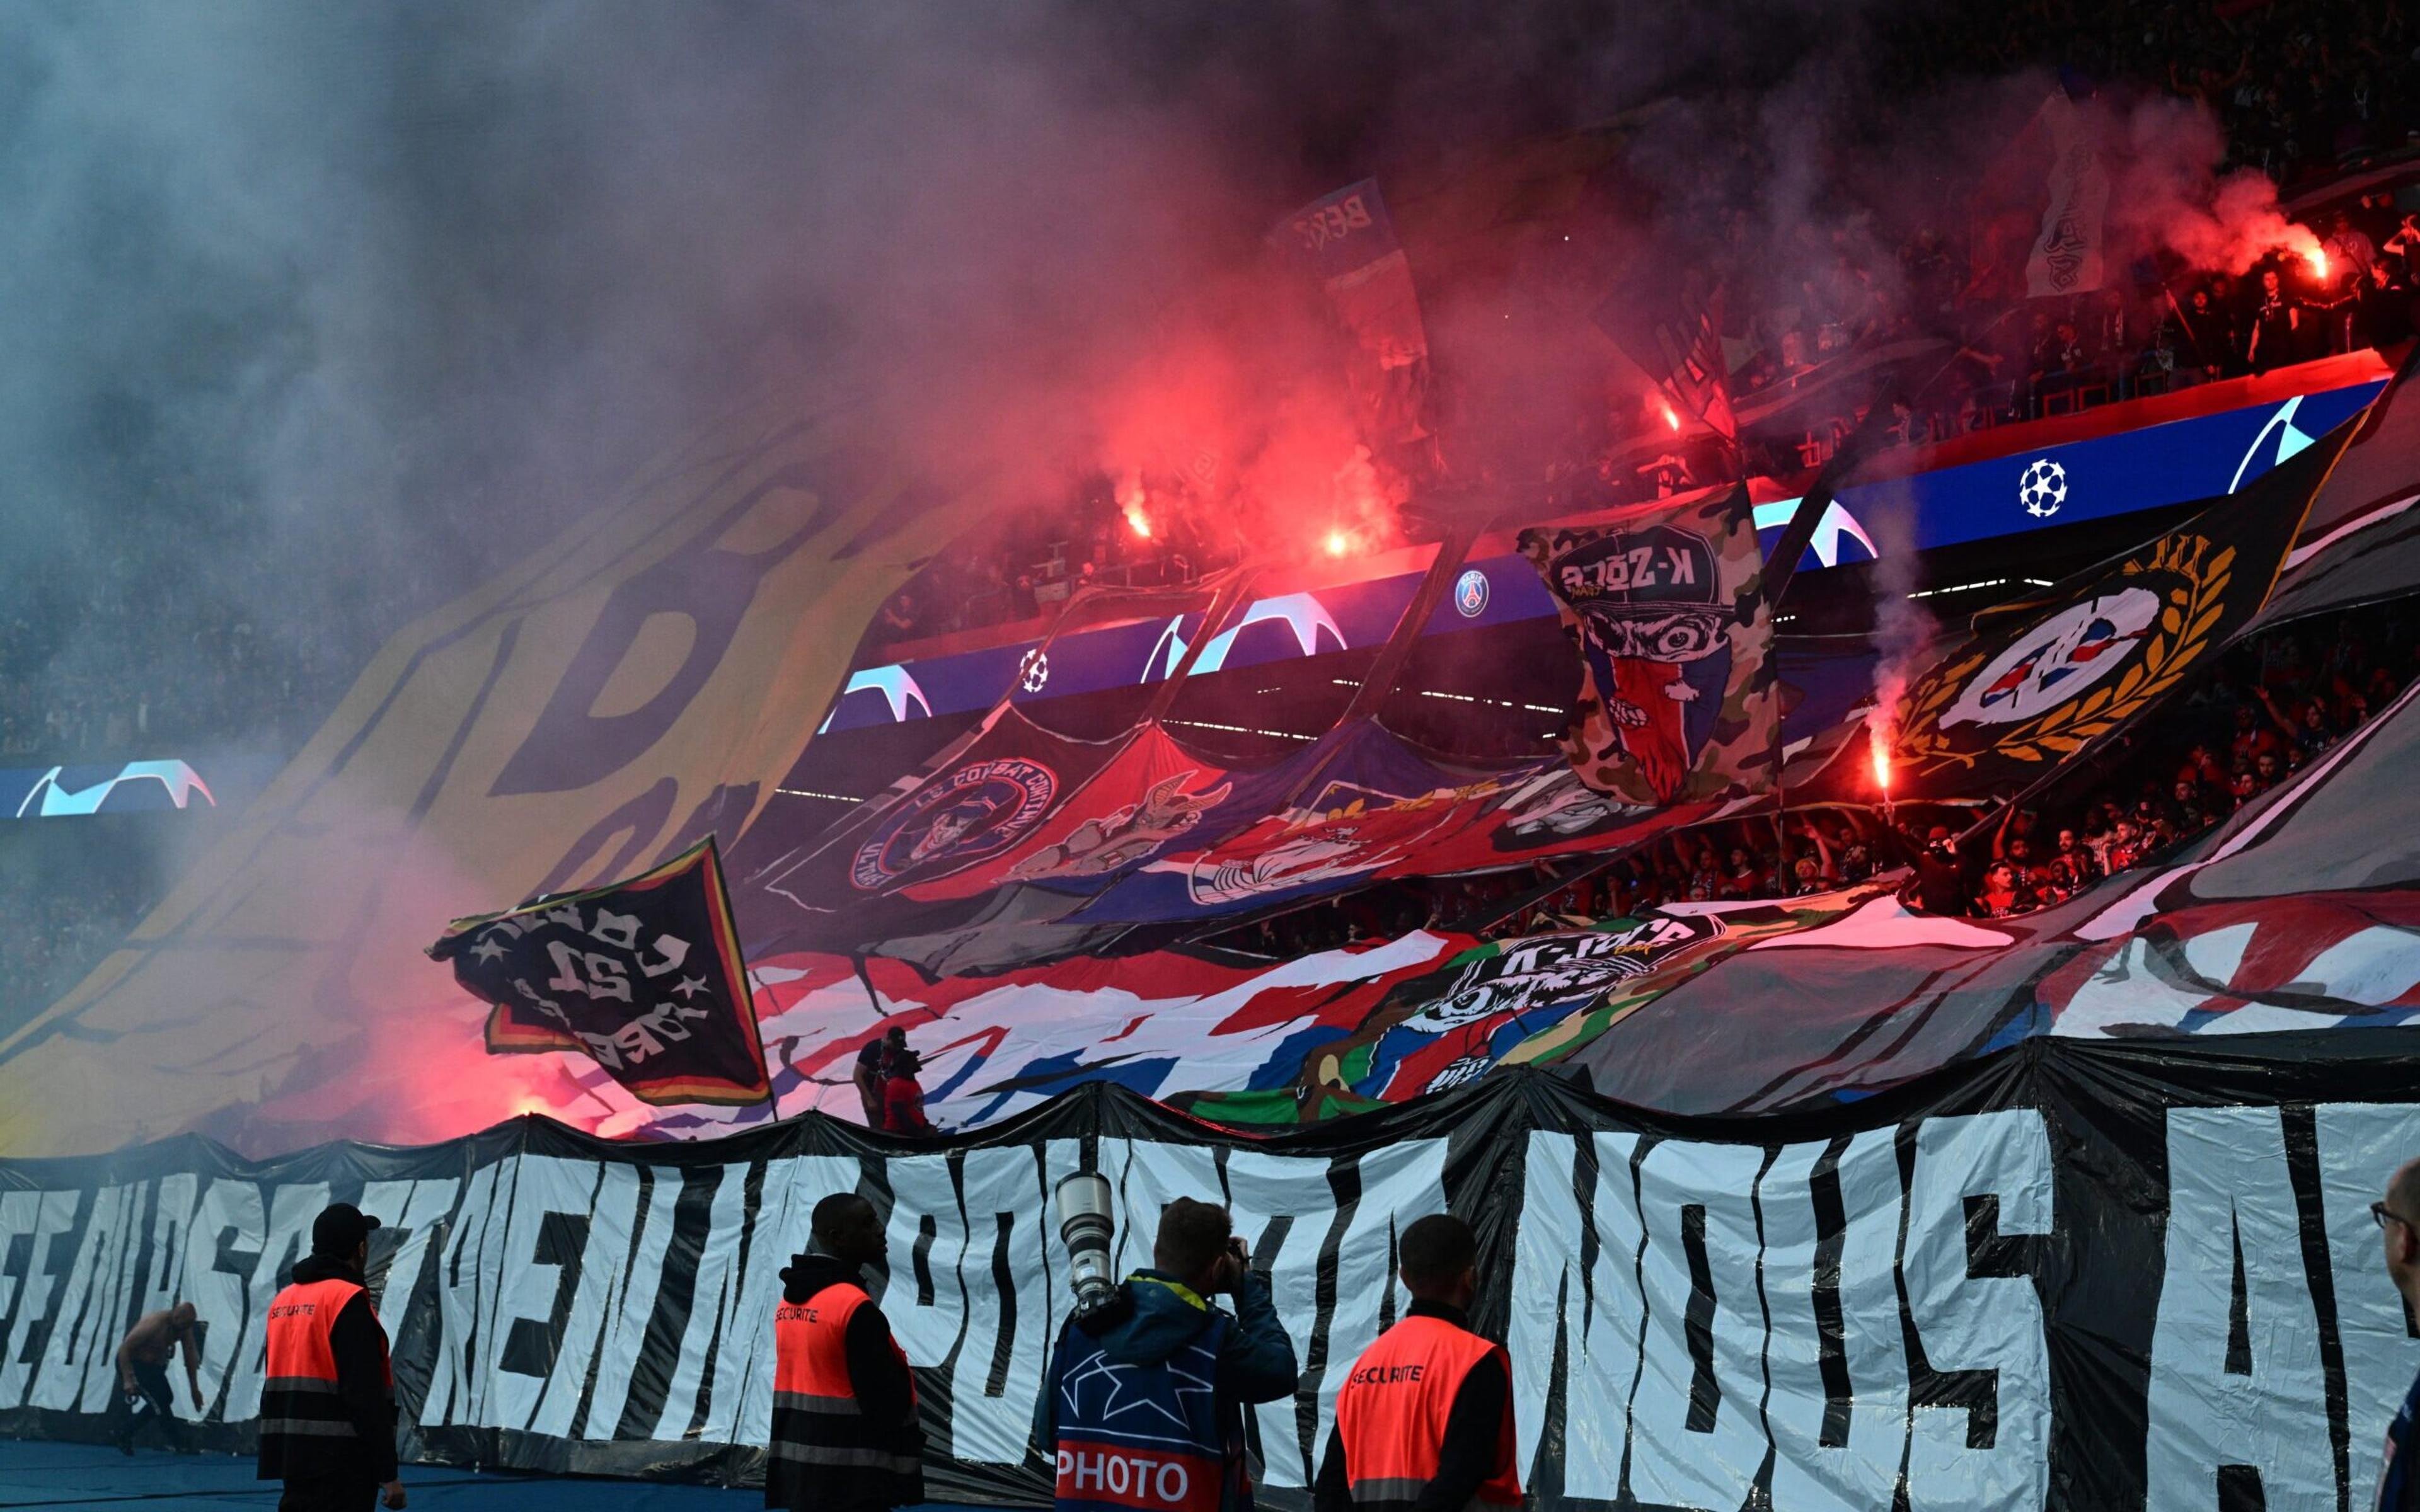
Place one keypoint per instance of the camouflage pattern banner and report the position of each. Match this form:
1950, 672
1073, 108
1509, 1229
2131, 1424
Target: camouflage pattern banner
1677, 699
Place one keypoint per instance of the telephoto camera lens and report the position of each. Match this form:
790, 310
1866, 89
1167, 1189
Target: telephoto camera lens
1084, 1227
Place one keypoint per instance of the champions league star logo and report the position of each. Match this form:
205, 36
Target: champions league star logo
1033, 670
1470, 594
2044, 489
977, 811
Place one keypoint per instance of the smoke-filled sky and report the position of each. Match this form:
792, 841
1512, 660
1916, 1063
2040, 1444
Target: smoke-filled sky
305, 307
295, 287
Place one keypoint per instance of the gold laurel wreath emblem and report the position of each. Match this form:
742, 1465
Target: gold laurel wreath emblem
2186, 623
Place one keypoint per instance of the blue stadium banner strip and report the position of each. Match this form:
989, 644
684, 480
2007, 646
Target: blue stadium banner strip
2207, 456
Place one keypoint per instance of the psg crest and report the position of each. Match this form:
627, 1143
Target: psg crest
978, 810
1470, 594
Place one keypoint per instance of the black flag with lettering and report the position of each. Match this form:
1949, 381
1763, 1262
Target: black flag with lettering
644, 977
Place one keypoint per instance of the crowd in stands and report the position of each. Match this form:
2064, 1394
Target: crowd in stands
2274, 705
1026, 563
2301, 90
55, 934
2279, 702
136, 669
139, 665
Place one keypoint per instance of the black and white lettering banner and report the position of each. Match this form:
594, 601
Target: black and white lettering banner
2078, 1275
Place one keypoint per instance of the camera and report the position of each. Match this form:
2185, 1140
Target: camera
1083, 1203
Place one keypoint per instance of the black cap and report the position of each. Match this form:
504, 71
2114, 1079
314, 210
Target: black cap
340, 1229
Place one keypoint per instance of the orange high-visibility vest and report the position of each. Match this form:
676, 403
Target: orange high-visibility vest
299, 1397
817, 1418
1391, 1413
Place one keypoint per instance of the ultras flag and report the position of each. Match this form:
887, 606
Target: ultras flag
2049, 677
645, 976
1677, 700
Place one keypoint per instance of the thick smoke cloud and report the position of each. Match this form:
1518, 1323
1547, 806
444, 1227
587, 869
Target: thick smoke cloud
309, 300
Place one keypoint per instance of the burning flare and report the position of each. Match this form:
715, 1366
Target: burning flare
1337, 543
1882, 729
2319, 262
1672, 418
1130, 501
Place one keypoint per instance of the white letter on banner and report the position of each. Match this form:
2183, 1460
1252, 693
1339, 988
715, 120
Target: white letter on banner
1969, 1322
1399, 1182
518, 1349
1687, 1450
1545, 1249
612, 1214
1000, 1365
632, 1303
45, 1218
414, 1210
1145, 1176
1863, 1471
2360, 1146
927, 1231
227, 1228
713, 1298
463, 1281
58, 1378
1596, 1316
80, 1360
291, 1208
163, 1280
743, 1370
2230, 1201
1265, 1189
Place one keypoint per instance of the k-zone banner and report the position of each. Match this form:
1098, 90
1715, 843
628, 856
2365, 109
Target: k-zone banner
1666, 606
2081, 1277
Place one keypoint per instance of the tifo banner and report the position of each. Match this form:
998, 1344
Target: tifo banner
2073, 1276
1665, 607
2051, 677
2067, 252
646, 979
585, 715
1666, 314
1348, 240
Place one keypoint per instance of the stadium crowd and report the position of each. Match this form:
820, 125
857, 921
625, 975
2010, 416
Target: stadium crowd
139, 661
2301, 90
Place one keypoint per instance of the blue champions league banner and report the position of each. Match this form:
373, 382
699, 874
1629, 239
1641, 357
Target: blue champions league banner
2102, 477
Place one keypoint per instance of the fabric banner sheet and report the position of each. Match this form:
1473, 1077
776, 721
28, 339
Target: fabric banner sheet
2071, 1275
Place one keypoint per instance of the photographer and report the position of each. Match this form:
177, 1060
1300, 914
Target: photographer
1158, 1342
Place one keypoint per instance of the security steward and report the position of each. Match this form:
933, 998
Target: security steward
1424, 1420
327, 1406
844, 1431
